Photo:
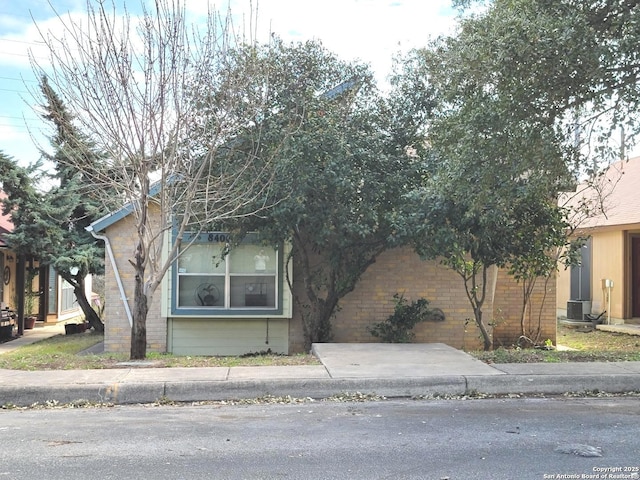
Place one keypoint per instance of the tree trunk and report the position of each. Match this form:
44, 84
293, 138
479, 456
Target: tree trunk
89, 313
531, 336
486, 338
477, 300
140, 300
139, 327
525, 336
317, 323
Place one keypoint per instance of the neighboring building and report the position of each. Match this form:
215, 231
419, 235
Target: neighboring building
53, 299
210, 304
608, 278
6, 256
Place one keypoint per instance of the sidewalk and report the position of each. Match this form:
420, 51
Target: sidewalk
39, 332
390, 370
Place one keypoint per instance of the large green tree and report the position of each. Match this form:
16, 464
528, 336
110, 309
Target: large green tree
571, 62
30, 214
488, 163
513, 88
340, 177
74, 199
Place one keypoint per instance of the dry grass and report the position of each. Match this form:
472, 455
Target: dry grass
63, 352
587, 345
581, 339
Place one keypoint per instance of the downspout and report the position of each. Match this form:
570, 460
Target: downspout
112, 259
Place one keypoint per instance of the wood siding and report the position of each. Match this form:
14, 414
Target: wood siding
227, 337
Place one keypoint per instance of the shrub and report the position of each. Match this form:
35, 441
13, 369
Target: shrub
398, 328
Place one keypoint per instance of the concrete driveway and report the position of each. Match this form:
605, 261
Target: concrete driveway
395, 360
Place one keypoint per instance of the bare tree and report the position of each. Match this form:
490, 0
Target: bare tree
136, 85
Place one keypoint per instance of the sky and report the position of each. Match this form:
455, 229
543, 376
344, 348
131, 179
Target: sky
372, 31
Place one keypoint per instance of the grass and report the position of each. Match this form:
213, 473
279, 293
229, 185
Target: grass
62, 353
589, 346
57, 353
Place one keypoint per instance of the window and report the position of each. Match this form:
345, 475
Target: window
212, 278
68, 298
52, 297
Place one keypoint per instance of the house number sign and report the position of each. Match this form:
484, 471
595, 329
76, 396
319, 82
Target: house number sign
218, 237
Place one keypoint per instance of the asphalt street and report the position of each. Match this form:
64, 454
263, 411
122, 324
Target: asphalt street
496, 439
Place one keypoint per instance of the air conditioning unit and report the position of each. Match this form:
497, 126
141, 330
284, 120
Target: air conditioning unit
577, 309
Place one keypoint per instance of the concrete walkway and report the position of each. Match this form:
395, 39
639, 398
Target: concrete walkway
389, 360
391, 370
40, 332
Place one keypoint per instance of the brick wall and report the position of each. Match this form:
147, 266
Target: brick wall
117, 335
540, 315
402, 271
397, 271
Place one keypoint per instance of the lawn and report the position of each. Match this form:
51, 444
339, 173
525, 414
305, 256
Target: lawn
63, 353
588, 346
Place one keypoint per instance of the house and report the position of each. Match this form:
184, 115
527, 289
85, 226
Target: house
52, 300
218, 302
608, 277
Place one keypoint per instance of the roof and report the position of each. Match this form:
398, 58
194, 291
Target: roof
110, 218
619, 195
6, 225
339, 89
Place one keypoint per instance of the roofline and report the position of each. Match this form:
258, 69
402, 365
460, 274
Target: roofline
109, 219
630, 227
340, 89
124, 211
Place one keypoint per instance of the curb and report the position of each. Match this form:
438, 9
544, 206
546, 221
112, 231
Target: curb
553, 384
125, 393
317, 388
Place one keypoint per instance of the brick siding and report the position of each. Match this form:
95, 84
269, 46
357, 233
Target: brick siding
402, 271
117, 335
539, 317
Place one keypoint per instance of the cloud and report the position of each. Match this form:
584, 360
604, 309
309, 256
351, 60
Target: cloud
367, 30
371, 31
25, 40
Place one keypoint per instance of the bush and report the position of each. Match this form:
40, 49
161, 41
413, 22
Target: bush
398, 327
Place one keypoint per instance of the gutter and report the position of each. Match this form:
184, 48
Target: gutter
115, 271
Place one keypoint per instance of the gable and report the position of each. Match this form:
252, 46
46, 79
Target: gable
620, 196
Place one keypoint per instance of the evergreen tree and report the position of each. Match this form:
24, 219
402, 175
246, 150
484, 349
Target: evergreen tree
50, 225
74, 205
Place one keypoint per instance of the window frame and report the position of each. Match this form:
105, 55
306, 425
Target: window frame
222, 239
68, 301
